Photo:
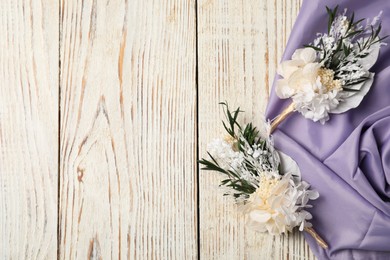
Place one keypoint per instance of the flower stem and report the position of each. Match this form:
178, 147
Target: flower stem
317, 237
285, 113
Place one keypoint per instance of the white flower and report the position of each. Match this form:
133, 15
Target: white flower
313, 88
297, 73
277, 205
316, 104
223, 152
340, 26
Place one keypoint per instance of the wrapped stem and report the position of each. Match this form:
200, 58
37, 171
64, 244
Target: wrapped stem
285, 113
317, 237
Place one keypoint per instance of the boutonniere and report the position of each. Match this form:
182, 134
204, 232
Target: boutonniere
331, 75
263, 181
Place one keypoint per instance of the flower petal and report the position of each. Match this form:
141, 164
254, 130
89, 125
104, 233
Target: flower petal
259, 216
288, 67
307, 55
283, 90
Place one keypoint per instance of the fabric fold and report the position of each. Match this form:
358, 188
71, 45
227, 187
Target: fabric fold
348, 159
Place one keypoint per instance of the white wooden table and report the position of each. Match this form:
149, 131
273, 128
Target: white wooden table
105, 107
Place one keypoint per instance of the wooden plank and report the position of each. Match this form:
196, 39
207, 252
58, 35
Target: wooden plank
240, 45
28, 129
128, 130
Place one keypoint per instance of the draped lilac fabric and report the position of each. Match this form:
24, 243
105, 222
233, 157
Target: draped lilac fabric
348, 159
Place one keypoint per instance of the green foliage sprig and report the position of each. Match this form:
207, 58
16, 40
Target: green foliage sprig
349, 47
245, 138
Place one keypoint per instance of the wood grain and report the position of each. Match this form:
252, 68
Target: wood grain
128, 118
128, 130
240, 45
28, 129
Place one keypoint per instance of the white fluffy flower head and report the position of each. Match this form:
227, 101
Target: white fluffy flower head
263, 181
223, 151
277, 205
314, 91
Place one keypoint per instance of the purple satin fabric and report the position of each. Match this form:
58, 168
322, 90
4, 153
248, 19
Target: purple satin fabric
347, 160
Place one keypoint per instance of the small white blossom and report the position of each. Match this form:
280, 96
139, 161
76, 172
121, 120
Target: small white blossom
316, 105
223, 153
339, 26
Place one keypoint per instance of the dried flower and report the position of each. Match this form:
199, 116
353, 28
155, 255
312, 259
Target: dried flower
266, 182
313, 89
331, 75
277, 205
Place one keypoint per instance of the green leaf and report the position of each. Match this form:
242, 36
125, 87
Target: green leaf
335, 10
330, 18
313, 47
360, 47
228, 129
350, 90
354, 33
345, 49
358, 22
351, 22
380, 39
223, 182
332, 15
377, 31
212, 158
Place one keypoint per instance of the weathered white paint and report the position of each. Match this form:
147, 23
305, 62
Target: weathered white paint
28, 129
127, 139
128, 130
